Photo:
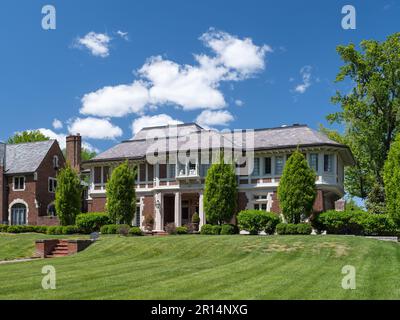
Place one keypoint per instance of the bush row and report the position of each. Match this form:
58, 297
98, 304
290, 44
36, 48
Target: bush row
255, 221
291, 228
355, 222
92, 222
53, 230
225, 229
122, 229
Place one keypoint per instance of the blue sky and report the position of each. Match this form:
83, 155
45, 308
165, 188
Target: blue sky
46, 74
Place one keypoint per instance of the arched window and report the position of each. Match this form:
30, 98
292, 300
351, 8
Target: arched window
51, 210
55, 162
18, 214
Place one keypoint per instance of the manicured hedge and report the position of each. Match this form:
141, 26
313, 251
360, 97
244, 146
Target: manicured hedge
109, 229
291, 228
207, 229
181, 230
135, 231
92, 222
23, 229
255, 221
356, 223
228, 229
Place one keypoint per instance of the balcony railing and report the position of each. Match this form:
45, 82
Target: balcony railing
189, 170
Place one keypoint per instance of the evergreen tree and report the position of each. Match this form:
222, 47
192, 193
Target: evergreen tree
391, 176
220, 194
121, 198
68, 201
297, 190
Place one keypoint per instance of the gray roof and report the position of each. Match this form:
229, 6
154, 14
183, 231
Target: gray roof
264, 139
2, 153
166, 131
26, 157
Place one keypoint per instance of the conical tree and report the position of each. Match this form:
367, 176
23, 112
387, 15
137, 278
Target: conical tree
121, 198
68, 201
297, 190
220, 194
391, 177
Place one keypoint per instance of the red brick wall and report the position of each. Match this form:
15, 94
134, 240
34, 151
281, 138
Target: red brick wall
97, 205
148, 209
73, 150
318, 204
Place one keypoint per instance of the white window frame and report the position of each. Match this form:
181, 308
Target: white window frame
51, 184
56, 162
24, 183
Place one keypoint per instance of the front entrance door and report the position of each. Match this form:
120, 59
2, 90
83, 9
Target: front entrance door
18, 214
169, 209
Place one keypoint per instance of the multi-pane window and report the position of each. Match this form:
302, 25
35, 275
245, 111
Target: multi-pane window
97, 175
267, 165
106, 174
171, 171
260, 206
101, 175
142, 172
19, 183
279, 163
256, 169
137, 215
314, 161
52, 185
328, 162
162, 168
150, 172
204, 169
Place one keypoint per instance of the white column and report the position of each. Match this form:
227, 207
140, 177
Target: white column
158, 212
178, 209
202, 214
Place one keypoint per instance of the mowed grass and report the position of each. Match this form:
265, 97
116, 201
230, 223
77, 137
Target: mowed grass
213, 267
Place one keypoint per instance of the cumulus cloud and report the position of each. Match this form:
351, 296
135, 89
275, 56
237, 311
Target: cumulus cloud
305, 73
116, 101
57, 124
96, 43
214, 118
152, 121
165, 82
94, 128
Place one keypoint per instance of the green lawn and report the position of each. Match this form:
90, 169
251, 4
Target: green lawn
211, 267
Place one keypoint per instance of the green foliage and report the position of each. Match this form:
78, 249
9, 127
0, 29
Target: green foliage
170, 228
27, 136
87, 155
370, 111
3, 228
181, 230
355, 222
220, 194
123, 229
206, 229
229, 229
92, 222
68, 196
291, 228
109, 229
216, 230
70, 230
196, 218
23, 229
55, 230
121, 199
135, 231
255, 221
391, 176
297, 190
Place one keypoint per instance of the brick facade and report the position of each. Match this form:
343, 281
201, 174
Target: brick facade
3, 211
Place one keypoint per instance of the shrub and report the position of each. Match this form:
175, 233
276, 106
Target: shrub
196, 218
16, 229
391, 177
379, 225
148, 222
297, 190
123, 229
40, 229
281, 228
228, 229
135, 231
70, 230
121, 198
255, 221
3, 227
92, 222
109, 229
206, 229
304, 228
181, 230
55, 230
216, 230
170, 228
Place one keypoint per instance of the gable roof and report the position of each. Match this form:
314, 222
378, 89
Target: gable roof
26, 157
168, 130
2, 153
264, 139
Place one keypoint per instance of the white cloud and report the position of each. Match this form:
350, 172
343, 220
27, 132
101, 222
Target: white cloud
94, 128
61, 138
57, 124
305, 73
96, 43
123, 35
165, 82
116, 101
214, 118
239, 103
152, 121
241, 55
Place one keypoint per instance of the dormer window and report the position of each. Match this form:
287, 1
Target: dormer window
19, 184
55, 162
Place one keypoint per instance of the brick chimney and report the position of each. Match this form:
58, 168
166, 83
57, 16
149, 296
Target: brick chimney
74, 148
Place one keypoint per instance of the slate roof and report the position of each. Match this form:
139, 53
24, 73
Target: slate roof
264, 139
25, 157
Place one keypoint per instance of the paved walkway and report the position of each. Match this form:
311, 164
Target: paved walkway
17, 260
